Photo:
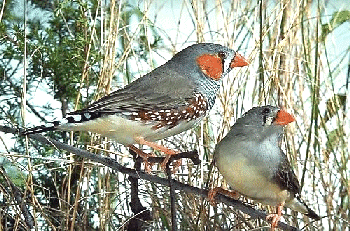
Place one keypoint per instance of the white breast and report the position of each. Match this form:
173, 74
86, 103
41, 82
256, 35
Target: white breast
250, 179
248, 167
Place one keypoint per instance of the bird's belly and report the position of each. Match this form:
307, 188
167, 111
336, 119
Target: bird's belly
125, 131
249, 181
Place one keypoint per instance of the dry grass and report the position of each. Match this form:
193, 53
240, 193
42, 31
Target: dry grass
290, 67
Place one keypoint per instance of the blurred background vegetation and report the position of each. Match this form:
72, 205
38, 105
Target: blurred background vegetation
58, 56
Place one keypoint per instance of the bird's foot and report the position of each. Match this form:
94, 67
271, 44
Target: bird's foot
177, 164
168, 152
275, 217
144, 156
230, 193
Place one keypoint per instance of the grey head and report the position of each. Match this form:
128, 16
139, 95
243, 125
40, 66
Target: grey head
205, 65
259, 116
260, 123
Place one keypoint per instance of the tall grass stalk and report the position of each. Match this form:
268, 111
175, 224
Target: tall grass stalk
289, 67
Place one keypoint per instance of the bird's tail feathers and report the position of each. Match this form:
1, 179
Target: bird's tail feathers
299, 205
66, 124
40, 129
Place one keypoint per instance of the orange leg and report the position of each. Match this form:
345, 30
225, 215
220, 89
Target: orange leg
165, 150
144, 156
275, 217
156, 146
212, 193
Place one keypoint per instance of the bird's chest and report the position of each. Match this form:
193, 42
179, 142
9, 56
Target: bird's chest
250, 168
250, 160
267, 153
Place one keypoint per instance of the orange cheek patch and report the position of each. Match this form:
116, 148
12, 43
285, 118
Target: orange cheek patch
211, 65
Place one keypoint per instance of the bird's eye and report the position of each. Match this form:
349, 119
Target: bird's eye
266, 111
222, 55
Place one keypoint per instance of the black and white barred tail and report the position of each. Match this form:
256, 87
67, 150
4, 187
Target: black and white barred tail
72, 119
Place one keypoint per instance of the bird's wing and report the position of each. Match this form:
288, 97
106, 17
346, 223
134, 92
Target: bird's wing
147, 93
285, 176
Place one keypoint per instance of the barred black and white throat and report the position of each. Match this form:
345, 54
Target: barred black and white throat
169, 100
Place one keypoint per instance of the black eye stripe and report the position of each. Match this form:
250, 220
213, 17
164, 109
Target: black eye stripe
265, 113
222, 55
264, 119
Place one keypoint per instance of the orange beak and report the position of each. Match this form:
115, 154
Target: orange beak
283, 118
238, 61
